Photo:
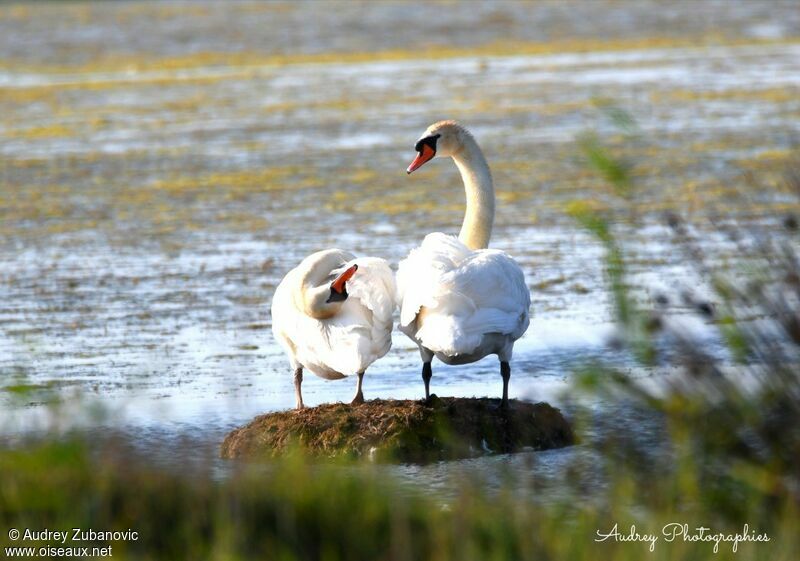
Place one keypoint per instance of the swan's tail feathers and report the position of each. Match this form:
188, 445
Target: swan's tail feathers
444, 334
489, 320
454, 334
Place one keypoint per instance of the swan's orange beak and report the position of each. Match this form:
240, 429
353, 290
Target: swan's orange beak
338, 284
425, 154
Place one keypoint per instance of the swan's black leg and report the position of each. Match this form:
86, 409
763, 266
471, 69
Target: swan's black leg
505, 372
298, 381
359, 397
427, 374
426, 356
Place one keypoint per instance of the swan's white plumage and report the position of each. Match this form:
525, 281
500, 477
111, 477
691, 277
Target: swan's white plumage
351, 340
450, 296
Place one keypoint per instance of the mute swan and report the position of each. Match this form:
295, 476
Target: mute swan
458, 300
328, 330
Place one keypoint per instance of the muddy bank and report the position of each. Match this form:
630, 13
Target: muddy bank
403, 430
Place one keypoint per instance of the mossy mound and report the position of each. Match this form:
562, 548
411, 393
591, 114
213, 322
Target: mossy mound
403, 430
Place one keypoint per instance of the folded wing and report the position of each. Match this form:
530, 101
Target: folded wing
451, 296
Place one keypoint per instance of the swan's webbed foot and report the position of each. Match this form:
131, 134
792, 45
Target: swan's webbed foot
505, 372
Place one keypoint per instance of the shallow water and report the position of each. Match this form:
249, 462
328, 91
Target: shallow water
151, 203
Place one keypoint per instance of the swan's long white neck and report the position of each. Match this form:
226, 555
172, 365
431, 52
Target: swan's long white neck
315, 304
313, 289
476, 230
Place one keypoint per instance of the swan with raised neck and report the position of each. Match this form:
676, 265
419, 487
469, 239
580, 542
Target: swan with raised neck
450, 139
458, 305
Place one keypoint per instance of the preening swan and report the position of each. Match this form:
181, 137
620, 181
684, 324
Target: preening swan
458, 300
333, 316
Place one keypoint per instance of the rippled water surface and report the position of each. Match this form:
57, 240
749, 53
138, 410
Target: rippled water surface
160, 171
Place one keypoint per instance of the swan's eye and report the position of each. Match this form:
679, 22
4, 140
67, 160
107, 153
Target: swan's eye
427, 141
